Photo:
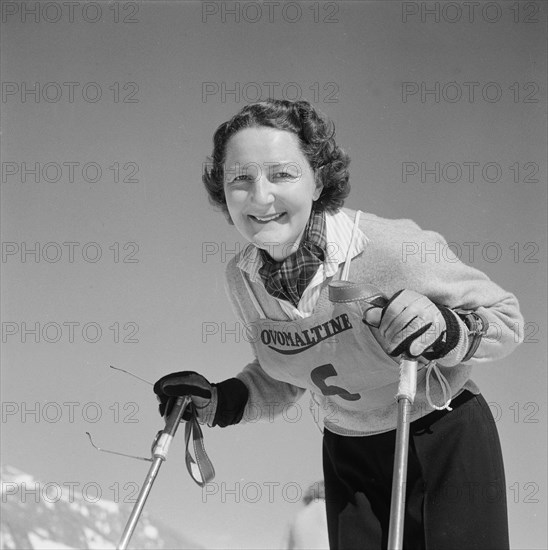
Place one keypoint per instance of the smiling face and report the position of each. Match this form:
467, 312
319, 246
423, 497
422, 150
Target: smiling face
269, 188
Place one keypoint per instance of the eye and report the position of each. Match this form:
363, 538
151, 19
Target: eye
242, 178
283, 175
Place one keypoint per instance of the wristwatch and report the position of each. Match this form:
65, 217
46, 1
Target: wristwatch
477, 328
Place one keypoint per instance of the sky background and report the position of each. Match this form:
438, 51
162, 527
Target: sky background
395, 79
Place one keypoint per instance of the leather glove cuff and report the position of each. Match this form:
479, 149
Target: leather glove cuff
450, 338
232, 396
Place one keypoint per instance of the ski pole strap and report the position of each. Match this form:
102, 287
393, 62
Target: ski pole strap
200, 468
444, 385
345, 291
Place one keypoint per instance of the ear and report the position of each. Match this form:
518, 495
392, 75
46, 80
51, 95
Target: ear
319, 186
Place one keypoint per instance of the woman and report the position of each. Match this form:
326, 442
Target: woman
280, 178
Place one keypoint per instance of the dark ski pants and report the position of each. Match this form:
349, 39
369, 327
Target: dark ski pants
455, 491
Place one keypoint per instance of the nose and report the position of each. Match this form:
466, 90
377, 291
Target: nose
262, 191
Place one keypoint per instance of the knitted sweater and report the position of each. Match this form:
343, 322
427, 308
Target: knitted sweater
398, 255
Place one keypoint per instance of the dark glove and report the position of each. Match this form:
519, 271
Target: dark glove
220, 404
178, 384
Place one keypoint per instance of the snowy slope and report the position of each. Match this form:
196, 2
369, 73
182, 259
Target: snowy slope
63, 520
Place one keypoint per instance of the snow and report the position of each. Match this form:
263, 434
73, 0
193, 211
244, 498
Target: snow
96, 541
41, 543
65, 525
151, 532
108, 505
15, 475
6, 541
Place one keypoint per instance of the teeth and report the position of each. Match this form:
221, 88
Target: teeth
267, 218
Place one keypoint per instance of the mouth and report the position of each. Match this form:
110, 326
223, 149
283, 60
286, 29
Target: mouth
267, 219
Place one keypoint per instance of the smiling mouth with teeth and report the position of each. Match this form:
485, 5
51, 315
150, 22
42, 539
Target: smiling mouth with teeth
264, 219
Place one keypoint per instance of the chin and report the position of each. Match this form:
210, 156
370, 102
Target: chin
268, 238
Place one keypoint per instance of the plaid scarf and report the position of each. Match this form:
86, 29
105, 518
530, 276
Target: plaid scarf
287, 279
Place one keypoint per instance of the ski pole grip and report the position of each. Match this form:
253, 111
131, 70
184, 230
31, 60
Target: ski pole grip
407, 387
344, 292
172, 422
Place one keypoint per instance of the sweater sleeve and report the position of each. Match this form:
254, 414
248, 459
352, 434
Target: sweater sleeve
268, 397
405, 256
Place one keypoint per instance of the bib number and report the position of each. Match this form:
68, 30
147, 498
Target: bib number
319, 375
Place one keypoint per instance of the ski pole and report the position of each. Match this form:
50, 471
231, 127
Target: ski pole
159, 454
406, 394
407, 388
344, 291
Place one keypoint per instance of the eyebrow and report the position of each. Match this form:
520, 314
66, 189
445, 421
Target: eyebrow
283, 163
268, 163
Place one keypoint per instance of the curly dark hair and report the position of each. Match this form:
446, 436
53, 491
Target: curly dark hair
316, 135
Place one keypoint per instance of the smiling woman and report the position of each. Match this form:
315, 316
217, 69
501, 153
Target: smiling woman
279, 177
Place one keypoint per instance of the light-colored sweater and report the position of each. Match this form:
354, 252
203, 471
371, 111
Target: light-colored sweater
398, 255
